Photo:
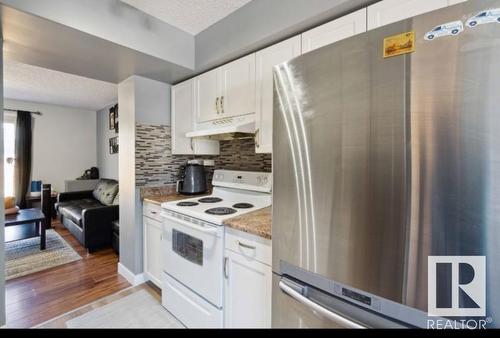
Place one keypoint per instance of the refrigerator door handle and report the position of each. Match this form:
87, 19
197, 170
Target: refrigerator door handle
344, 322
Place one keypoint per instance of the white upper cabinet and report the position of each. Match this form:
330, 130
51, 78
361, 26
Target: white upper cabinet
238, 87
226, 91
336, 30
389, 11
207, 93
183, 116
266, 60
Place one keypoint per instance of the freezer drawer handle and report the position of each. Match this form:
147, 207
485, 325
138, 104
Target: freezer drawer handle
344, 322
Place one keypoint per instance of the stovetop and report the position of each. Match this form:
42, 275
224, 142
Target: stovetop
222, 204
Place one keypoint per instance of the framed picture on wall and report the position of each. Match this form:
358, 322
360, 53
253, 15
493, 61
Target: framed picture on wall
112, 118
116, 118
113, 145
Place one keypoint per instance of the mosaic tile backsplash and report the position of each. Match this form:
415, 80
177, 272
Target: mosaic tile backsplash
155, 164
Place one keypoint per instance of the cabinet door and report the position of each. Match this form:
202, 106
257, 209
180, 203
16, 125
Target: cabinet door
342, 28
207, 96
182, 118
247, 292
265, 61
389, 11
152, 250
238, 87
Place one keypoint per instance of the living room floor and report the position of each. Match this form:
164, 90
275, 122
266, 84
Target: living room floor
41, 296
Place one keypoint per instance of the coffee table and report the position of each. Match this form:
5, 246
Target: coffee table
32, 199
28, 216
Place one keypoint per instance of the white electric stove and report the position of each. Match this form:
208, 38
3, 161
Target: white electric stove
193, 241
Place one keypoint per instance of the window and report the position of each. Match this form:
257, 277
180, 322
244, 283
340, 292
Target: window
9, 139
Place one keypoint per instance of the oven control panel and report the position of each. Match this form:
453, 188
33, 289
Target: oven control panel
248, 180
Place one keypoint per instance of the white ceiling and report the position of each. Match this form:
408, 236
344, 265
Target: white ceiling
192, 16
34, 84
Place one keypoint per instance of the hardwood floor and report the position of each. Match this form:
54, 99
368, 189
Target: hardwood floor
36, 298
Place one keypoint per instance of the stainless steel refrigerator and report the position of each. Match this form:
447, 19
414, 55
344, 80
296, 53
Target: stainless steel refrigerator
380, 162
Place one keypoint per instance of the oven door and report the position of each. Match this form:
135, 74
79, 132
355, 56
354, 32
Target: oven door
194, 255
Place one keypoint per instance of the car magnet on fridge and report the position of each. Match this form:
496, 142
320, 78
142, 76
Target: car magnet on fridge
484, 17
448, 29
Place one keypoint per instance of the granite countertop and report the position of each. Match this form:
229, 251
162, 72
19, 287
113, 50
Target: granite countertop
258, 223
170, 197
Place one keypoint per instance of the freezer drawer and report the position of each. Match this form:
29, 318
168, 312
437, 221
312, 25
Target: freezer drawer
192, 310
297, 304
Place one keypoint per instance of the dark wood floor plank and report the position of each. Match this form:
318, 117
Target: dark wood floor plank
36, 298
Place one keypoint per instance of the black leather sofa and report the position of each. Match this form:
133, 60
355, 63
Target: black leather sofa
115, 239
89, 215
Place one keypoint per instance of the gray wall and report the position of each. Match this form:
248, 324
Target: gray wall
73, 125
264, 22
130, 238
147, 101
117, 22
2, 225
106, 162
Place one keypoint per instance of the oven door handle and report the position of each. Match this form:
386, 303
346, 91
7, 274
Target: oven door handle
189, 225
344, 322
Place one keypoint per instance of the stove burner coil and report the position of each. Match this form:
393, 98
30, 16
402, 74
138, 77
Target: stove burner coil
210, 200
243, 206
220, 211
187, 204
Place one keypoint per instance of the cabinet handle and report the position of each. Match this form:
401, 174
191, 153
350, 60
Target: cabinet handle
192, 146
154, 212
246, 246
217, 105
225, 267
222, 104
257, 143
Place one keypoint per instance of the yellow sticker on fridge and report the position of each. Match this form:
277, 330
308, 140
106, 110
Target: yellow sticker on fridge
399, 44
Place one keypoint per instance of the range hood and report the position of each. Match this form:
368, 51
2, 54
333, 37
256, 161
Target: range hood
226, 129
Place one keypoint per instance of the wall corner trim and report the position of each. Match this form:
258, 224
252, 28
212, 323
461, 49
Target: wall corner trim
134, 280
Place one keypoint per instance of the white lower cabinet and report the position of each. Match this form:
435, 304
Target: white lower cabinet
153, 252
247, 282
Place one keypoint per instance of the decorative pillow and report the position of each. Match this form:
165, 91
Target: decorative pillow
105, 191
10, 202
116, 201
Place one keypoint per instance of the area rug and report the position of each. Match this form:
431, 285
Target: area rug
136, 311
25, 257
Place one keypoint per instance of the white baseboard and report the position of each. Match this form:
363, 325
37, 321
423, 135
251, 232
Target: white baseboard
130, 277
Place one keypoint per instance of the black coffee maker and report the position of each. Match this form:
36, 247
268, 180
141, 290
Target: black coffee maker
193, 180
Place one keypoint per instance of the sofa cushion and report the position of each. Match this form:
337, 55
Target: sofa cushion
116, 201
74, 210
105, 191
115, 226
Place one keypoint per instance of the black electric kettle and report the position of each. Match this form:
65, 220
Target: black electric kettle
193, 180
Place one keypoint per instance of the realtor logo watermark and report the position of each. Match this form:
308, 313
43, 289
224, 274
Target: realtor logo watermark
457, 288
